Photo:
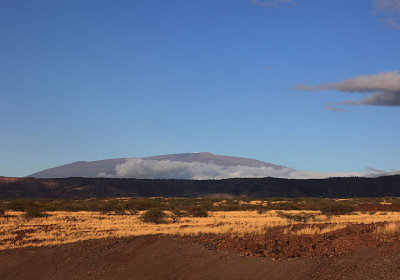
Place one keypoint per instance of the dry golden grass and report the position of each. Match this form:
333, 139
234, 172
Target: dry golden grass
314, 229
389, 228
65, 227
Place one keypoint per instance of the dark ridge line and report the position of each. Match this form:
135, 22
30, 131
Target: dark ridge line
81, 187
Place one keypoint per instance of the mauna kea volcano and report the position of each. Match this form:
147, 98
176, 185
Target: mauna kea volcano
194, 166
173, 166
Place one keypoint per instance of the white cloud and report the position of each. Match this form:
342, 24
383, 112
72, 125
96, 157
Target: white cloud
166, 169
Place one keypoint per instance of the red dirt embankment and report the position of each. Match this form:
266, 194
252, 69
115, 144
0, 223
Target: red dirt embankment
277, 245
160, 257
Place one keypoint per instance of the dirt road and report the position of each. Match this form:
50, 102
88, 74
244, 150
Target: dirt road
158, 257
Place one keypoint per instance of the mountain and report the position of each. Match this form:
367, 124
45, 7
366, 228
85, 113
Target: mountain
173, 166
80, 169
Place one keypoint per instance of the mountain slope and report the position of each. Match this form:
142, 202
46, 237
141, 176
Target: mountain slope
108, 167
80, 169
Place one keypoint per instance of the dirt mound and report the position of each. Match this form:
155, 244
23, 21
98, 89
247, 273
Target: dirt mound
276, 244
160, 257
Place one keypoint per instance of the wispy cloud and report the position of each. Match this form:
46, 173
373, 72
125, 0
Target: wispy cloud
329, 106
272, 3
166, 169
391, 11
381, 89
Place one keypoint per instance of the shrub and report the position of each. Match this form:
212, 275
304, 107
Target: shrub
155, 215
20, 204
111, 206
2, 211
262, 210
286, 206
131, 208
144, 204
33, 212
336, 208
197, 212
302, 217
229, 207
176, 214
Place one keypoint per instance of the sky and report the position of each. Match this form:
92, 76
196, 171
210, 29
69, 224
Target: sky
312, 85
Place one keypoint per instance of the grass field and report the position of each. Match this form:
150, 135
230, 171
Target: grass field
60, 227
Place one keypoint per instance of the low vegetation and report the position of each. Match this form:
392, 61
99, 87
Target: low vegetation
301, 217
332, 208
199, 207
155, 216
45, 222
314, 229
59, 227
389, 228
197, 212
33, 212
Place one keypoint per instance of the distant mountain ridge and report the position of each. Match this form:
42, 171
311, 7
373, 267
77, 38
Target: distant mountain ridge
14, 188
108, 166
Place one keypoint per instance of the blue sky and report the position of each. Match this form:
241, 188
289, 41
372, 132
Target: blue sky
88, 80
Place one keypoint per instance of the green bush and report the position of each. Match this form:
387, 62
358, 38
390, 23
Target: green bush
286, 206
155, 216
197, 212
336, 208
301, 217
33, 212
110, 206
20, 204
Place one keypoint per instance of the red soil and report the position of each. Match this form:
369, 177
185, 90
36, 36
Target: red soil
373, 207
276, 245
161, 257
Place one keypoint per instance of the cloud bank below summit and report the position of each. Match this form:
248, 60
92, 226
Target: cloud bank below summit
167, 169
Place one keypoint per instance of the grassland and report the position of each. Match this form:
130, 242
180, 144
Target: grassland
48, 222
61, 227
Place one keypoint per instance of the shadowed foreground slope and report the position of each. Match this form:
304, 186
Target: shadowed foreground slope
154, 257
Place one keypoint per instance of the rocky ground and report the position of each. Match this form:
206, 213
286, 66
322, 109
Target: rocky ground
208, 257
275, 244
